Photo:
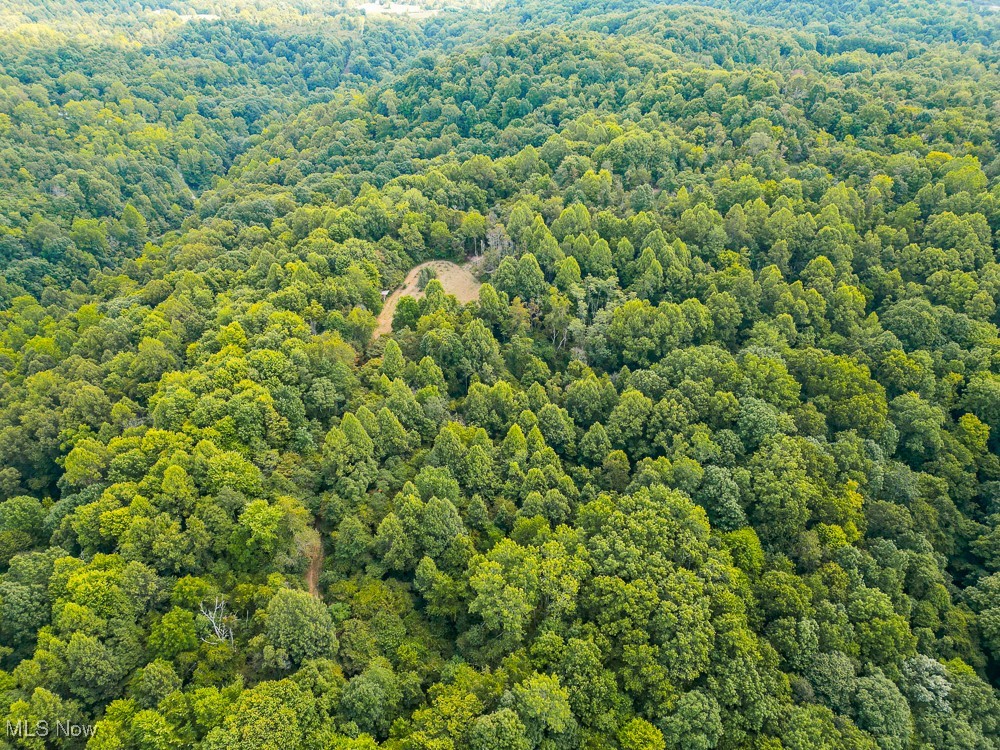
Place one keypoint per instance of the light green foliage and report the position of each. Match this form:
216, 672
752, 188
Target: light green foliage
298, 628
711, 462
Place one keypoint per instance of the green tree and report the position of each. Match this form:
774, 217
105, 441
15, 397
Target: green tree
298, 627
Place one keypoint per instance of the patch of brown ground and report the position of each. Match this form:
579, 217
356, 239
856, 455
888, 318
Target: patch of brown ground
315, 568
455, 279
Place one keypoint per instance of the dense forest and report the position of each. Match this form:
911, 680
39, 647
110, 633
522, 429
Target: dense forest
711, 460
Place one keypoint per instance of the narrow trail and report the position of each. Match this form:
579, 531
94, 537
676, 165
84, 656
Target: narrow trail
315, 568
455, 279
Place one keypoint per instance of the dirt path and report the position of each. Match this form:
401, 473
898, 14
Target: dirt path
315, 568
309, 545
455, 279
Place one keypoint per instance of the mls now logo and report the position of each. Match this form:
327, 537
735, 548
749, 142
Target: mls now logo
41, 728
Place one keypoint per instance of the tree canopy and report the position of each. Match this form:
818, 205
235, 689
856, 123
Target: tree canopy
711, 462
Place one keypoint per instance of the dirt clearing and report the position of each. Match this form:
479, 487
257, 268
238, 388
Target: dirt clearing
455, 279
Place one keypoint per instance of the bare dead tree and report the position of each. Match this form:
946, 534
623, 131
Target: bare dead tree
219, 621
498, 244
498, 240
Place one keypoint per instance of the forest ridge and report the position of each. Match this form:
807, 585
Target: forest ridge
710, 462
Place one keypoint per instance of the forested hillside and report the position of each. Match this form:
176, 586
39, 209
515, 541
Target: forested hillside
712, 462
113, 120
